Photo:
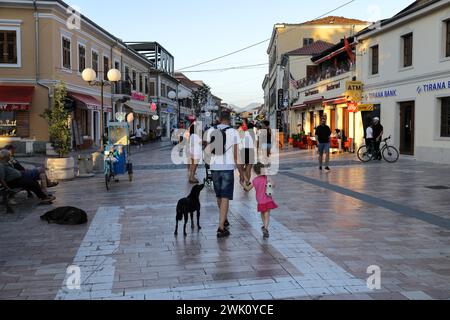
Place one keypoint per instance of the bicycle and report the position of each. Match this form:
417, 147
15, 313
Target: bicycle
389, 153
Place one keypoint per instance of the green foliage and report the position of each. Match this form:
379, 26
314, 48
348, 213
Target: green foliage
58, 120
200, 98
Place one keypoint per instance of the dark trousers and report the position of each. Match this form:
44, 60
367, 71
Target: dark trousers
369, 144
28, 184
376, 147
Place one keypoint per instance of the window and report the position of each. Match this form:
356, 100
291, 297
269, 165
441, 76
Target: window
81, 58
8, 47
308, 41
66, 53
163, 90
445, 117
95, 62
141, 83
117, 65
127, 74
134, 80
8, 124
152, 89
447, 38
105, 68
146, 86
375, 59
407, 50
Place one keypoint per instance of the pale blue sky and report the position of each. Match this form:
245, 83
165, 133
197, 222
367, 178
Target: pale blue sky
199, 30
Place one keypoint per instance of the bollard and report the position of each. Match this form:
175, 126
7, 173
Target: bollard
85, 166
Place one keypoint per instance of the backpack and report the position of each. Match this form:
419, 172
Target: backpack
66, 216
218, 134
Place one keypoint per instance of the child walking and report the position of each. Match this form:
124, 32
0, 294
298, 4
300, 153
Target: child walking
263, 187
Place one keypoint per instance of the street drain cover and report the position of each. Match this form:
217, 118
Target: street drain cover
438, 188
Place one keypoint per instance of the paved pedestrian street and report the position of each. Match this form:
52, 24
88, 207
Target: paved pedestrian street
329, 229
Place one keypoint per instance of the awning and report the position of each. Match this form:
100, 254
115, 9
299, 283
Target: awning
314, 101
298, 106
143, 108
338, 100
15, 98
90, 102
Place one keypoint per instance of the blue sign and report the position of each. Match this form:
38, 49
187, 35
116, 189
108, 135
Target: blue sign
433, 86
170, 110
383, 94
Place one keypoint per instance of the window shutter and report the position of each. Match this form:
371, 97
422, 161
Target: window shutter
23, 124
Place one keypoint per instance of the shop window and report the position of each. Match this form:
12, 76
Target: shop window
407, 50
141, 83
66, 48
95, 62
8, 124
447, 38
9, 47
81, 58
146, 86
152, 89
445, 117
105, 68
127, 74
375, 59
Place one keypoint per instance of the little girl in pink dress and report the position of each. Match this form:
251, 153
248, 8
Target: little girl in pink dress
264, 200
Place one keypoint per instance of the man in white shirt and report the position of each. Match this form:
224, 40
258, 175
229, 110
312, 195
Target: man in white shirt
224, 159
369, 139
138, 134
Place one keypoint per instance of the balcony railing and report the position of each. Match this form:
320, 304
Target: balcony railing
330, 72
123, 87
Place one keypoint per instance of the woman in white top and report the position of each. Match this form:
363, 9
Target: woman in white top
247, 152
196, 152
369, 139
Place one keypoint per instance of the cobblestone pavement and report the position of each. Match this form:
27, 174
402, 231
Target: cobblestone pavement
328, 230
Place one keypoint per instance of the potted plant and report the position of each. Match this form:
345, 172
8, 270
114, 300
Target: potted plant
60, 167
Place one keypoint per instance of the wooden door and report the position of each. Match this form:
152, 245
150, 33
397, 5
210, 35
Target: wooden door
407, 127
333, 120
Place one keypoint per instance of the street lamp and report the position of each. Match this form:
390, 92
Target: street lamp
90, 76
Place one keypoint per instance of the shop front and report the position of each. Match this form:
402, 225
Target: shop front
86, 120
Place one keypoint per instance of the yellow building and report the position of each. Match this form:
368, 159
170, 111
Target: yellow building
44, 44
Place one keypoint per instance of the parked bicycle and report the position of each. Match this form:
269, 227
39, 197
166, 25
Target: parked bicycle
389, 153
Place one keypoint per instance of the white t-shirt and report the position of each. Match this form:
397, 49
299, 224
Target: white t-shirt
369, 133
139, 133
225, 162
196, 149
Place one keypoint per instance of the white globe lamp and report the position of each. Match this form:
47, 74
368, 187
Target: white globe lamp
114, 75
89, 75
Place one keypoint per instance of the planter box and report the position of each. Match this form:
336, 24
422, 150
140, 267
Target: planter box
60, 169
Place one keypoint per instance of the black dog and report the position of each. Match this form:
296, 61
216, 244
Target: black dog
188, 206
66, 216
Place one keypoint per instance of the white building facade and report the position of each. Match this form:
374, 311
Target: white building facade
405, 67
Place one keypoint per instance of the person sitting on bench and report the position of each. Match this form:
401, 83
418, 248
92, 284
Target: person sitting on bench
37, 174
12, 178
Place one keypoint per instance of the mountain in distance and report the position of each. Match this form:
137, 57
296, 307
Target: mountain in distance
250, 107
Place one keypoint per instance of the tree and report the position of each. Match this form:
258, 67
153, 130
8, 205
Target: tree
200, 98
58, 120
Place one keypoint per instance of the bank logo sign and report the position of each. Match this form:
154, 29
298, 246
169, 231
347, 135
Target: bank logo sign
433, 86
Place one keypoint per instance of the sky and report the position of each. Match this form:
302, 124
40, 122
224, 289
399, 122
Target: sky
199, 30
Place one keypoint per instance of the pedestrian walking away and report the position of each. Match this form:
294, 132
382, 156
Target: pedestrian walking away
222, 149
263, 187
323, 135
138, 134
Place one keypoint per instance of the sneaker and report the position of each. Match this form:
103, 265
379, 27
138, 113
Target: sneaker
266, 233
227, 224
328, 169
48, 200
222, 233
52, 184
320, 168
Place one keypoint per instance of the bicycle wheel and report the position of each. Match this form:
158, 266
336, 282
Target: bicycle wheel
107, 181
391, 154
364, 155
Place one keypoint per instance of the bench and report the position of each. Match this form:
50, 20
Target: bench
7, 195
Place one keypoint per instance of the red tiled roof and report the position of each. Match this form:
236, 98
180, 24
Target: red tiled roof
335, 20
312, 49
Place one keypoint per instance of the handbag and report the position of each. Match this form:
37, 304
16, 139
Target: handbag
269, 188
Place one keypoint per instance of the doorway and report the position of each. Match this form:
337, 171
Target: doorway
407, 125
312, 125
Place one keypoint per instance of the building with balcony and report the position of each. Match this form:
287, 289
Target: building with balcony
288, 37
39, 48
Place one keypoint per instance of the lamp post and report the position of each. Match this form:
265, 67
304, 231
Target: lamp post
90, 76
172, 96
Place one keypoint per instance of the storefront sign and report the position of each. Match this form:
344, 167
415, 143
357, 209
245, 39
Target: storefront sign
280, 121
137, 96
352, 107
311, 92
354, 91
14, 107
334, 86
280, 99
436, 86
169, 110
153, 107
383, 94
366, 108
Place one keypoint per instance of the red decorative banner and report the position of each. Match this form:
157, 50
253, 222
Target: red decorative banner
14, 107
138, 96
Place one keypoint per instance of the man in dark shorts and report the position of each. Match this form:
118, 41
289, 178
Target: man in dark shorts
323, 134
378, 131
223, 165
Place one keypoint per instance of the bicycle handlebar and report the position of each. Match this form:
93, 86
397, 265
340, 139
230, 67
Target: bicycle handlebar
387, 139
